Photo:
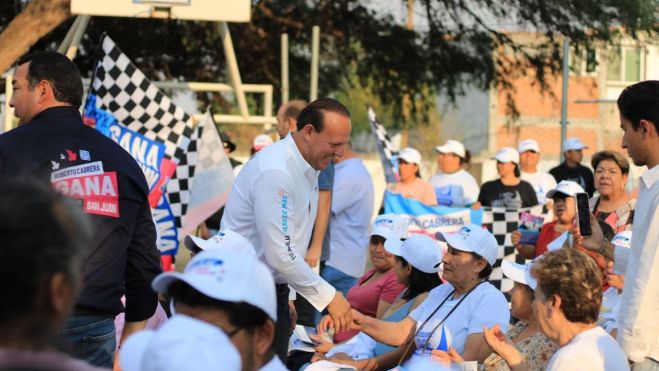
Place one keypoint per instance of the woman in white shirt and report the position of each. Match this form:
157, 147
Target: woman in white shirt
454, 313
454, 186
567, 302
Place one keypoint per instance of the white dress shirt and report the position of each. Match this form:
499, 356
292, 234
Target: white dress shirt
638, 332
273, 204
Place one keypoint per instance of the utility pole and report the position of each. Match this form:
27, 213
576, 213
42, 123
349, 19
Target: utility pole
407, 100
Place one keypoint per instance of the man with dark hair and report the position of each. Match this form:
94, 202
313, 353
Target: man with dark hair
42, 241
638, 332
53, 145
273, 203
571, 168
224, 289
287, 117
319, 248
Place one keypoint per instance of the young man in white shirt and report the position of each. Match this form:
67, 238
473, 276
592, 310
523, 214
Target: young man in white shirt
273, 204
529, 156
638, 331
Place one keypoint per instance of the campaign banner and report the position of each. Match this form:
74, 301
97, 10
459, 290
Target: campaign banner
430, 220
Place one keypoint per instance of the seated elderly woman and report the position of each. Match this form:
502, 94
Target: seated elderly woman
454, 313
567, 302
533, 345
417, 264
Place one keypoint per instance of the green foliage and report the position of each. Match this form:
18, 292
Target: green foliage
368, 56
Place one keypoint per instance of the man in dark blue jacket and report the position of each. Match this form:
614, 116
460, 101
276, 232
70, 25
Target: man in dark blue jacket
52, 144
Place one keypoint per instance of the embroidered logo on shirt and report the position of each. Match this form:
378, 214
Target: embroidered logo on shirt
84, 155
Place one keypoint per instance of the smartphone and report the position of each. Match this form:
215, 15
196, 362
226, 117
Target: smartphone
583, 214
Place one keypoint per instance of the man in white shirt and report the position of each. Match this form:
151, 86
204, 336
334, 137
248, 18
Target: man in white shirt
352, 208
529, 156
638, 332
273, 204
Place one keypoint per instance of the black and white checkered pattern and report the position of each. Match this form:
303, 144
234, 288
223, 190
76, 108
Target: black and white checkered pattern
124, 91
385, 147
502, 222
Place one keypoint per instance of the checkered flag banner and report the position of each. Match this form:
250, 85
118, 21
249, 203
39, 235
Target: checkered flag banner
213, 175
502, 222
135, 102
125, 106
388, 155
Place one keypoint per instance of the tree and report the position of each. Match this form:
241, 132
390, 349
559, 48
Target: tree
460, 42
35, 21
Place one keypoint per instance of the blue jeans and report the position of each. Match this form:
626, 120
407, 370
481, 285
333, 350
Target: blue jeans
647, 364
341, 281
92, 339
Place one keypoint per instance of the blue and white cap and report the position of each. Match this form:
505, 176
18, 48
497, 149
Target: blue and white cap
390, 226
473, 238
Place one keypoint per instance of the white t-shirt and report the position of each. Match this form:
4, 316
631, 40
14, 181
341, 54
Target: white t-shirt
456, 189
608, 318
593, 350
541, 182
485, 306
275, 364
352, 208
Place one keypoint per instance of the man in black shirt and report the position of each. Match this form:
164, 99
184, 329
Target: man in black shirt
53, 145
571, 168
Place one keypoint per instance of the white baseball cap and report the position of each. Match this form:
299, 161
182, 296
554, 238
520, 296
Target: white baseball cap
528, 145
519, 273
410, 155
622, 239
473, 238
452, 146
507, 154
227, 275
390, 226
566, 187
421, 251
573, 144
182, 343
261, 141
225, 239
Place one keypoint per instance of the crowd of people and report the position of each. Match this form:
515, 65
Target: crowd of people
294, 257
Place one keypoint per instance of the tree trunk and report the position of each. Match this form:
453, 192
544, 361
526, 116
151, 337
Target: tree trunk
35, 21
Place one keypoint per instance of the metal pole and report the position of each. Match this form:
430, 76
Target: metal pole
284, 68
315, 41
72, 48
234, 72
566, 77
69, 35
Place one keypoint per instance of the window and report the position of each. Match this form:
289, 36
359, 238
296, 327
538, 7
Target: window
583, 62
624, 64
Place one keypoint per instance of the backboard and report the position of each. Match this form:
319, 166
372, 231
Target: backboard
199, 10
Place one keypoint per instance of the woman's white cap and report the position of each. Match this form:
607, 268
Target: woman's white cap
390, 226
519, 273
452, 146
507, 154
227, 275
421, 251
566, 187
473, 238
410, 155
225, 239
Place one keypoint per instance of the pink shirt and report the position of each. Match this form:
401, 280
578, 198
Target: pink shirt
365, 298
419, 190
